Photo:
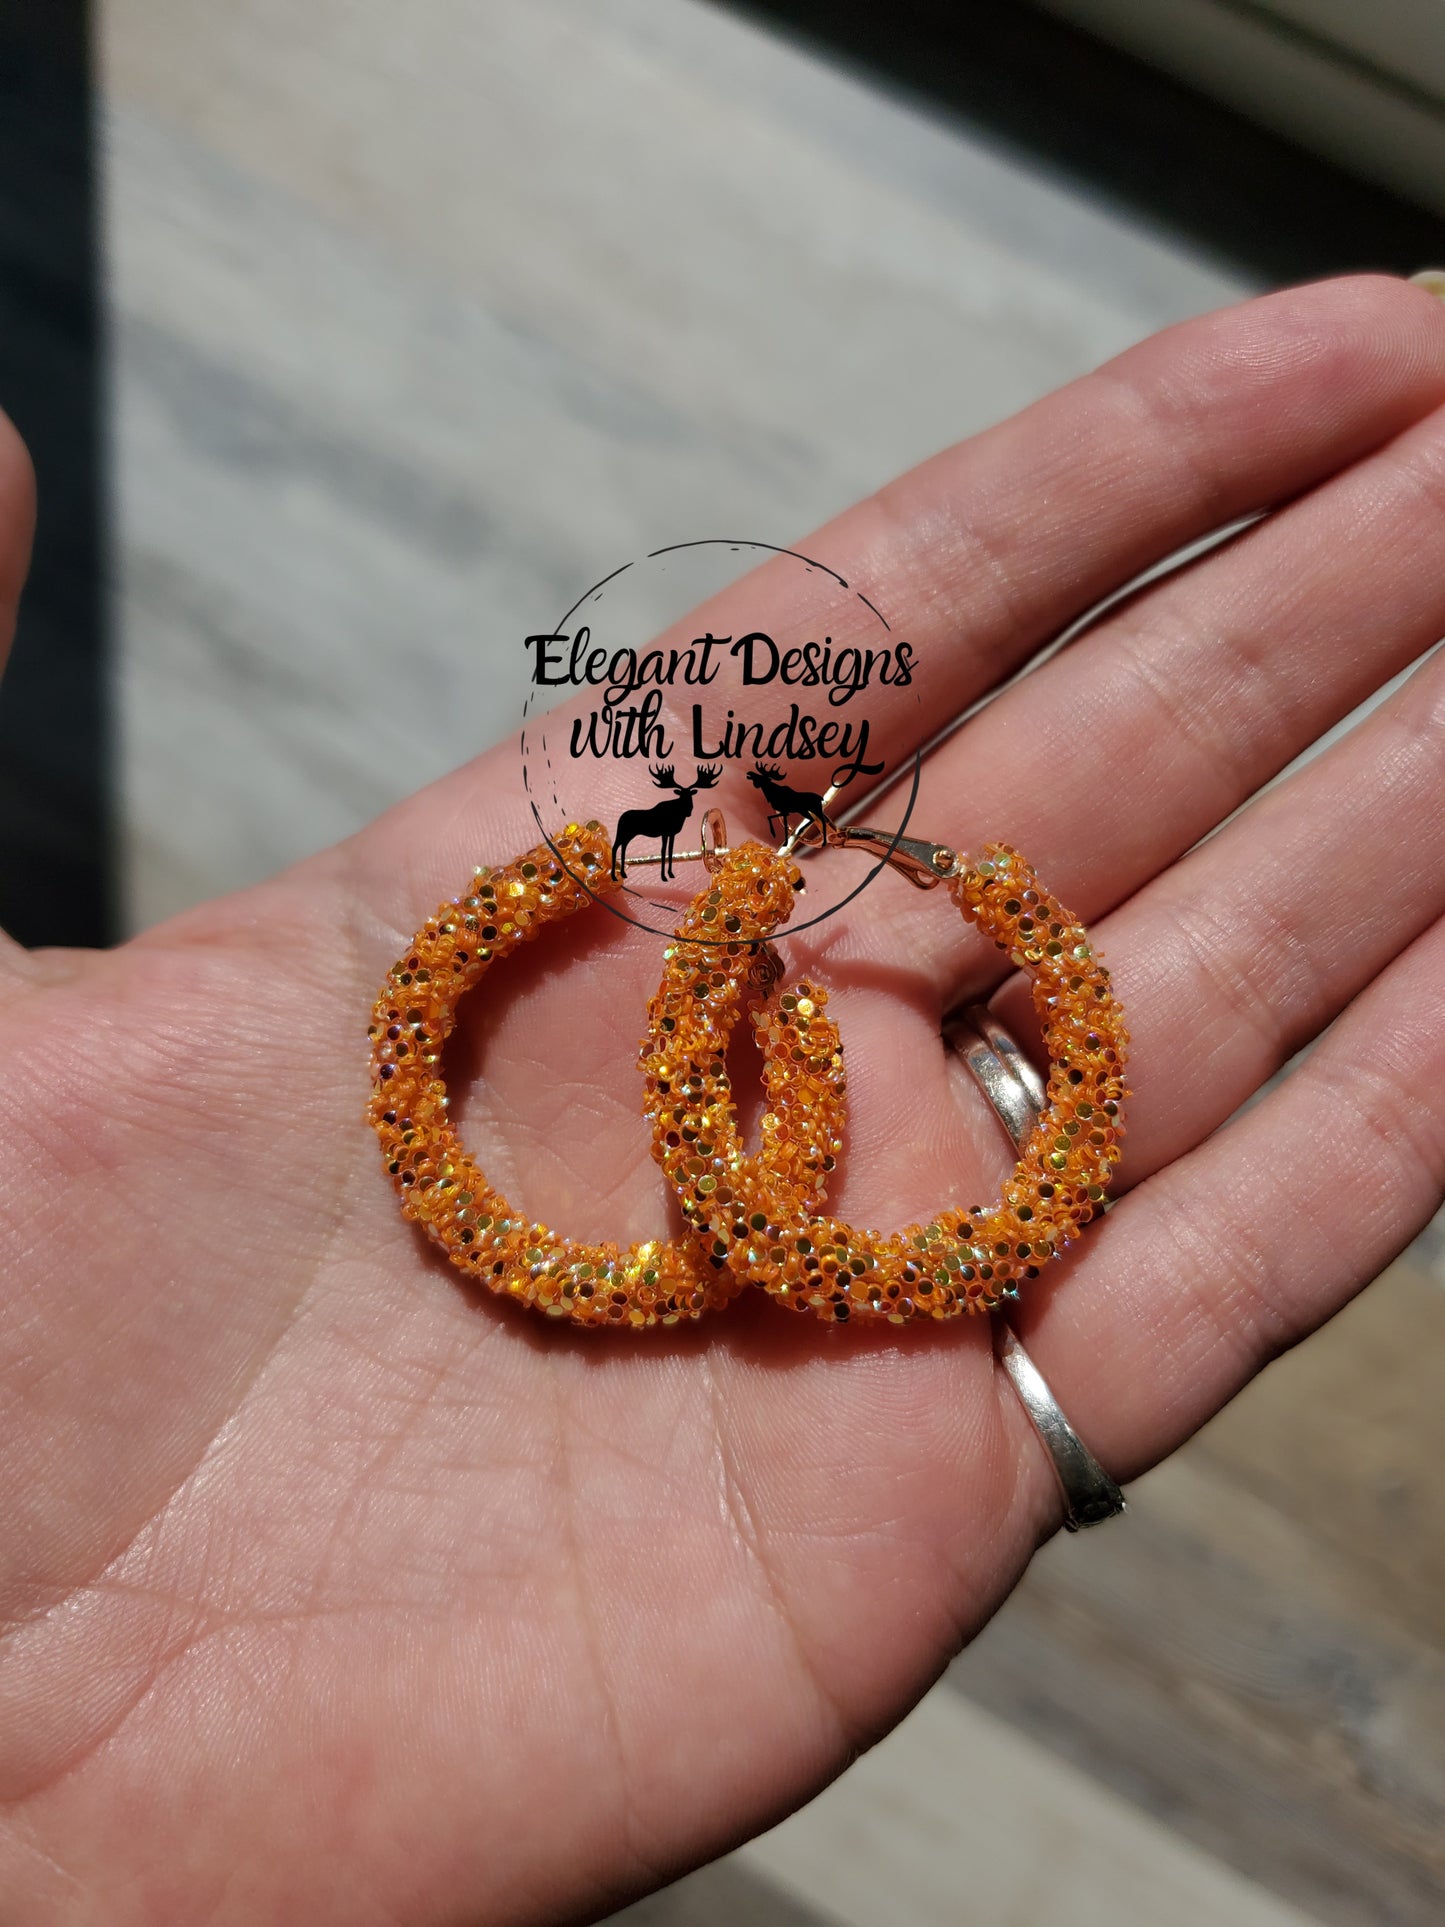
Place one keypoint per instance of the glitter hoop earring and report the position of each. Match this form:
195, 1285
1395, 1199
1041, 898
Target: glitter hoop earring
964, 1259
442, 1186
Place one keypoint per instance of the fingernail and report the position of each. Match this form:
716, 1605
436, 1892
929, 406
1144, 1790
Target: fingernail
1432, 280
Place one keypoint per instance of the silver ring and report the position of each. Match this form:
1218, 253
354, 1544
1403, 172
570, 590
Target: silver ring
1016, 1091
1009, 1080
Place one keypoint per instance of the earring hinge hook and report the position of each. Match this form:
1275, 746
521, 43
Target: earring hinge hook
925, 865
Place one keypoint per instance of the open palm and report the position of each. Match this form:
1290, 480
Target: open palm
329, 1593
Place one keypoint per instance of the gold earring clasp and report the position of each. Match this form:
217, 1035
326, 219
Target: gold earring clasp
925, 865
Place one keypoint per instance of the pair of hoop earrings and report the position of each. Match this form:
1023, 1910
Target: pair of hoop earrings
753, 1217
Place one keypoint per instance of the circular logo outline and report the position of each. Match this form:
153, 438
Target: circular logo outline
607, 902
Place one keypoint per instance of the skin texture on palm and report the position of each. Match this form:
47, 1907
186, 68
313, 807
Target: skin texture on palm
328, 1592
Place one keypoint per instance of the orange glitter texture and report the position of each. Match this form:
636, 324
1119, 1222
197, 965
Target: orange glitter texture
964, 1259
444, 1189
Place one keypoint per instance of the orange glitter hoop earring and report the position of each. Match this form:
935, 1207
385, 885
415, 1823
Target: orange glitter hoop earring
964, 1259
442, 1186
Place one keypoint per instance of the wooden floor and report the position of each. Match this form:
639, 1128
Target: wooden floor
424, 318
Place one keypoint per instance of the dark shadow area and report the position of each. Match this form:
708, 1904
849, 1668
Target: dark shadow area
56, 882
1084, 111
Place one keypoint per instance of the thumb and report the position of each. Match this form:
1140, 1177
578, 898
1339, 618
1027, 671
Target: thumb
17, 527
17, 532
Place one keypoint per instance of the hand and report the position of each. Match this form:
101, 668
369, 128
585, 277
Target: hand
331, 1594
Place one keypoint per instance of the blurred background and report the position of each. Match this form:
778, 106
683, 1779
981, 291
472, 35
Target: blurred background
345, 333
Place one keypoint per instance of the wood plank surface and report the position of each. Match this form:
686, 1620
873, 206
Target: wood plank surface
1257, 1654
959, 1820
426, 319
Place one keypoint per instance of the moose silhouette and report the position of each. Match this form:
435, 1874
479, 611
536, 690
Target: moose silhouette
663, 820
786, 803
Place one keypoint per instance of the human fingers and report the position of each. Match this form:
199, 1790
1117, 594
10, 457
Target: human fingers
1110, 761
1236, 1251
982, 553
1233, 960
